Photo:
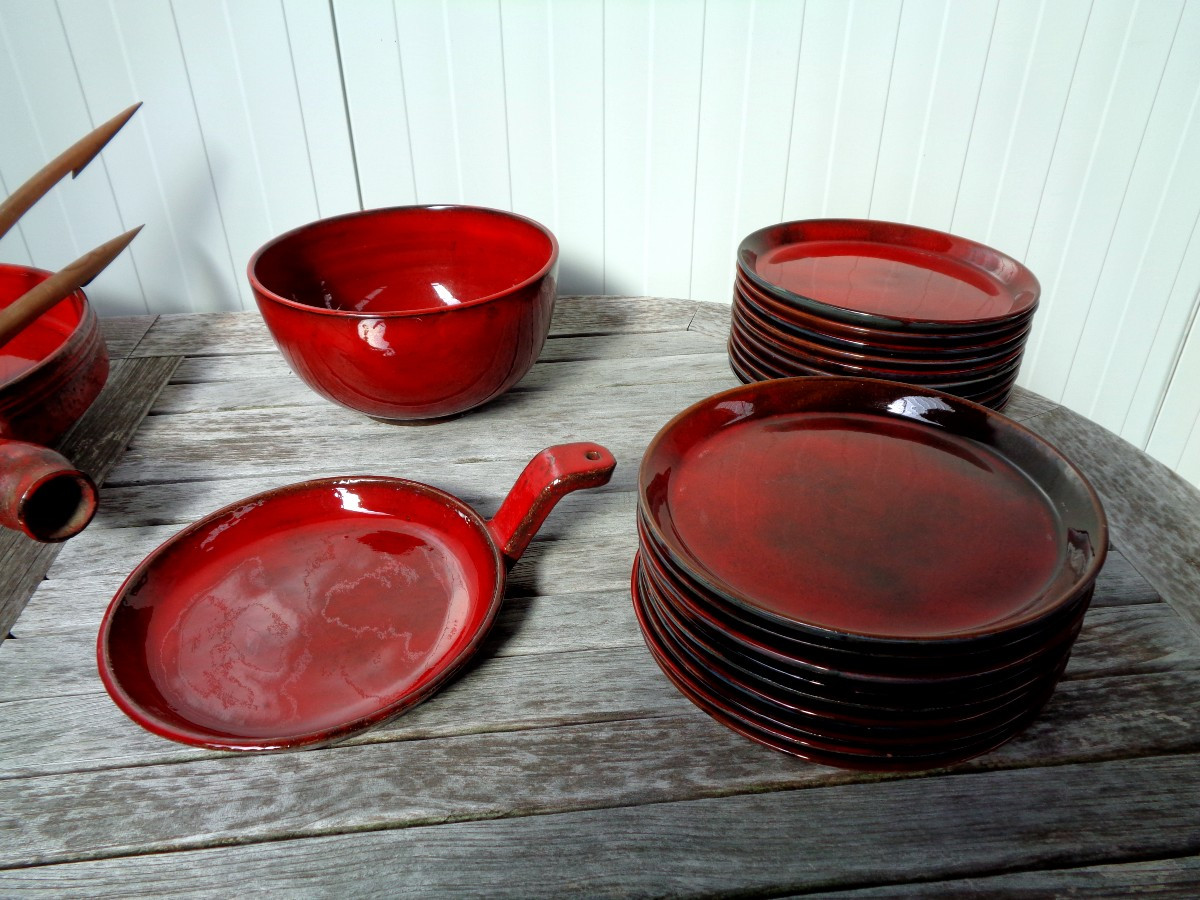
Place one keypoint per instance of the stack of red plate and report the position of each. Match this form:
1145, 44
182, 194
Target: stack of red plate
862, 573
880, 300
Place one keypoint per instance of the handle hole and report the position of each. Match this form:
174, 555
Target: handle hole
592, 454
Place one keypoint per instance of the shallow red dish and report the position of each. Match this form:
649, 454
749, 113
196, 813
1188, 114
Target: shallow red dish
413, 312
309, 613
52, 371
887, 274
860, 510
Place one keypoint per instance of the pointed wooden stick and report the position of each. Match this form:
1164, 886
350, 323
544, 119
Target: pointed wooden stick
26, 308
72, 160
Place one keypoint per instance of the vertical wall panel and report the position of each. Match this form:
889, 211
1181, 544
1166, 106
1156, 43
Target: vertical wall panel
369, 46
1157, 216
745, 123
1030, 63
1102, 130
937, 68
841, 91
651, 104
158, 165
1156, 375
1175, 439
451, 56
240, 71
37, 75
554, 83
313, 62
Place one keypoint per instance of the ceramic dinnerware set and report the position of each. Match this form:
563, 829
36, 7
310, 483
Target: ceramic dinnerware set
862, 572
880, 300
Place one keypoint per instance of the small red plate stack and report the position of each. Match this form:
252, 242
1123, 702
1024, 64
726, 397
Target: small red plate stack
880, 300
860, 572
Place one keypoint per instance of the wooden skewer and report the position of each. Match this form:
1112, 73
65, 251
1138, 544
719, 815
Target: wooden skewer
38, 300
72, 160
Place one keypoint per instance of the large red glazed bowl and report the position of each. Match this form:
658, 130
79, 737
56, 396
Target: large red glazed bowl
409, 313
52, 371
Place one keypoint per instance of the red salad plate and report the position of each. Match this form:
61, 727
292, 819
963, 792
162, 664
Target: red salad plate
887, 275
305, 614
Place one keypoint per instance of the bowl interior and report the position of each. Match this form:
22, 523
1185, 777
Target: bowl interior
41, 339
404, 259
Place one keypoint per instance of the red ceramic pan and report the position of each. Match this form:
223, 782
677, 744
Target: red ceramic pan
309, 613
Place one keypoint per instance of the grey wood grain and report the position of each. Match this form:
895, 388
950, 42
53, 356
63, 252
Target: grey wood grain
89, 569
236, 333
122, 333
544, 594
581, 375
777, 842
562, 760
635, 345
1154, 514
473, 776
92, 445
1177, 877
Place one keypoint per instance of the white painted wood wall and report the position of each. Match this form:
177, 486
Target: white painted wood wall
650, 136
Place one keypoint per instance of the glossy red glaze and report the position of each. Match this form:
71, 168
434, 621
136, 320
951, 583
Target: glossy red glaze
954, 666
411, 312
750, 724
52, 371
769, 331
914, 735
941, 378
305, 614
844, 715
871, 510
885, 342
42, 494
887, 274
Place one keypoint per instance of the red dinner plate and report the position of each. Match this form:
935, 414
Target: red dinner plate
860, 510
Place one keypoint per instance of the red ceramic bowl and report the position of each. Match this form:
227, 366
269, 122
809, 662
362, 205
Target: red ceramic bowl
412, 312
52, 371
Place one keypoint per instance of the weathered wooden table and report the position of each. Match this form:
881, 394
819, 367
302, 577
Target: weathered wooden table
562, 760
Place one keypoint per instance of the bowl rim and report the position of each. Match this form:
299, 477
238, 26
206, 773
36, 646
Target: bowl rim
86, 313
262, 292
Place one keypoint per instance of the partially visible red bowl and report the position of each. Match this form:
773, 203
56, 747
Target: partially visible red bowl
52, 371
409, 313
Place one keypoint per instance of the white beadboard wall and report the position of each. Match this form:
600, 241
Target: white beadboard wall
650, 135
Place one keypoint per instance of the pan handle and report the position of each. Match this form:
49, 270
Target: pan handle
549, 477
42, 494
